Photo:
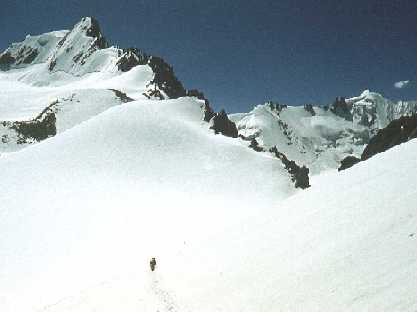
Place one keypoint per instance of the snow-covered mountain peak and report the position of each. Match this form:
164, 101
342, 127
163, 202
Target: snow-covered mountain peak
32, 50
73, 53
75, 75
373, 110
65, 56
365, 98
91, 27
320, 137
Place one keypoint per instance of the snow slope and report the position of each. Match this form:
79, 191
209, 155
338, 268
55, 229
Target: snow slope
78, 72
94, 203
73, 101
149, 180
82, 213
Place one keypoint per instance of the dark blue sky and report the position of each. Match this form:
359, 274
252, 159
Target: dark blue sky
240, 53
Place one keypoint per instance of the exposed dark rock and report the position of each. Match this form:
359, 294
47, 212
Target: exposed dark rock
52, 65
130, 58
6, 60
208, 112
165, 78
309, 108
196, 93
40, 128
299, 175
398, 131
154, 93
342, 109
276, 106
95, 32
26, 55
301, 179
122, 96
348, 162
255, 146
245, 138
61, 42
220, 123
77, 57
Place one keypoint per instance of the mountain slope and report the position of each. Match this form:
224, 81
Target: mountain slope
78, 74
67, 55
136, 181
127, 168
321, 137
142, 181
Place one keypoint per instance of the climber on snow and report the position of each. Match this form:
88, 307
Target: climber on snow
152, 263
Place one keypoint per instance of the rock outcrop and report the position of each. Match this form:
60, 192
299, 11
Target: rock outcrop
255, 146
348, 162
309, 108
165, 78
122, 96
37, 129
342, 109
397, 132
221, 123
6, 60
299, 175
131, 57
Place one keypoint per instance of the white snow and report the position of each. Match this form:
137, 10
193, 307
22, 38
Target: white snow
44, 44
142, 179
82, 213
319, 142
147, 179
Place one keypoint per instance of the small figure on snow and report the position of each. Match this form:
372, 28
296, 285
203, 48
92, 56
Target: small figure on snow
152, 263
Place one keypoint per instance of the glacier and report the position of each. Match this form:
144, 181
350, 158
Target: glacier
127, 169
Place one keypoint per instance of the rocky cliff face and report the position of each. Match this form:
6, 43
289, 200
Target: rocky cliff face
397, 132
221, 123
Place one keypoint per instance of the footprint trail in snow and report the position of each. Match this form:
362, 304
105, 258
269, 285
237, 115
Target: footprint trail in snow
164, 297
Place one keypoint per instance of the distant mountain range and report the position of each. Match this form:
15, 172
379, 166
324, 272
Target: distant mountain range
65, 77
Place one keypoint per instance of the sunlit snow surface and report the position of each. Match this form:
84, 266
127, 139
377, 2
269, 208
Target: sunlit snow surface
82, 213
142, 179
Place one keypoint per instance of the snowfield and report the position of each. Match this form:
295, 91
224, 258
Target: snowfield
82, 213
140, 180
127, 177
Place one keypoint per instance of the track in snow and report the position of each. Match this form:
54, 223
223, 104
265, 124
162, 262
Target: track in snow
164, 297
